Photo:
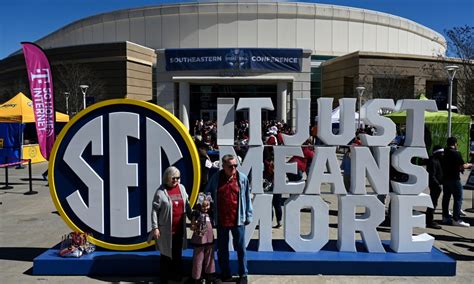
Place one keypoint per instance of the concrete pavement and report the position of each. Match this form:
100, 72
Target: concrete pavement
29, 225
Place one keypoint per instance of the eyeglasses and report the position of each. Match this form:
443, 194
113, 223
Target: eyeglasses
175, 178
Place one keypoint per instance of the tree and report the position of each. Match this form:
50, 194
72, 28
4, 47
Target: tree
68, 78
461, 44
8, 90
391, 82
387, 82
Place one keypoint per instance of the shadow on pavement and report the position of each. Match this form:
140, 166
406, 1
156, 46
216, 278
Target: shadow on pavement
131, 279
451, 238
468, 247
33, 179
20, 254
457, 256
29, 271
11, 192
13, 183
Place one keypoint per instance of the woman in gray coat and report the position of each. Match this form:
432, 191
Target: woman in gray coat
169, 210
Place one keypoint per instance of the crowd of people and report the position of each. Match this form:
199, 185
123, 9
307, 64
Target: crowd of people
205, 133
205, 137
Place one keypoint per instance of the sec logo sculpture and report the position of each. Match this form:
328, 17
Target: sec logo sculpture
108, 162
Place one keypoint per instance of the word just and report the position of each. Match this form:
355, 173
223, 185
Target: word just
370, 161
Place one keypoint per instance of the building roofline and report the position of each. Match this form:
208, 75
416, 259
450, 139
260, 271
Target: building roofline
382, 55
370, 16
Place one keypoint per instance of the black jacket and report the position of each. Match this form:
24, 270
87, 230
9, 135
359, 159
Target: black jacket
435, 170
453, 164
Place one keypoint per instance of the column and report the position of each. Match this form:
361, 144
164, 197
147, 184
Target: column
184, 103
282, 88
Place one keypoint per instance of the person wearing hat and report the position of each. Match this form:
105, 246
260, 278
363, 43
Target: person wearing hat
453, 165
271, 139
435, 172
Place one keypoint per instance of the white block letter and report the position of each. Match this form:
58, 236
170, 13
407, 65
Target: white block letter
417, 175
302, 129
403, 222
367, 224
346, 121
262, 216
415, 124
255, 106
362, 163
281, 168
325, 159
319, 235
225, 121
386, 129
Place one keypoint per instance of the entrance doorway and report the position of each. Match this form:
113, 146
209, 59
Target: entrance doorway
203, 99
208, 114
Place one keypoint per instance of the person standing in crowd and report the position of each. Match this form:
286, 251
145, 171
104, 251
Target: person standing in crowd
230, 191
435, 172
346, 168
268, 175
206, 165
314, 132
168, 224
203, 240
279, 136
272, 139
453, 165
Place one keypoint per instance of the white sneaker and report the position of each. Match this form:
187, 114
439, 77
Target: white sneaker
460, 223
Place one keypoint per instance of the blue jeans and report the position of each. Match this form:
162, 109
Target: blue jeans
238, 235
454, 188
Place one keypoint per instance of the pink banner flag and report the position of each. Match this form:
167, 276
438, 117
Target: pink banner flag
41, 87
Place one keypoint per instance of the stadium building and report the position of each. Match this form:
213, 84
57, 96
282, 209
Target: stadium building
184, 55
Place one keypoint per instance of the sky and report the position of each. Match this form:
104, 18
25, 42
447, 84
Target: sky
30, 20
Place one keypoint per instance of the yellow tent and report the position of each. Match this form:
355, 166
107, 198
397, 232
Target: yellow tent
20, 109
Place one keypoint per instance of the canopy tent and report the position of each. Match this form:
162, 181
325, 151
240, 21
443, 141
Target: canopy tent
17, 121
19, 109
336, 114
437, 124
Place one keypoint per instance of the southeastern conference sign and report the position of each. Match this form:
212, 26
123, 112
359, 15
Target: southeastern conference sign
108, 161
107, 164
282, 59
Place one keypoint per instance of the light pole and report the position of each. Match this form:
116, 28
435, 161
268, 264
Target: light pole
66, 95
451, 70
84, 91
360, 92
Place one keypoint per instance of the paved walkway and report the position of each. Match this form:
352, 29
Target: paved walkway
29, 224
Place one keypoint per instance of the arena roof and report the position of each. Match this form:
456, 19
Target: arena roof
324, 29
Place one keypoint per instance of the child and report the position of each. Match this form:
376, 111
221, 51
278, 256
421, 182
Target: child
202, 239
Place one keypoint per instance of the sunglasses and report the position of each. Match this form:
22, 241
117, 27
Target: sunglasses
175, 178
